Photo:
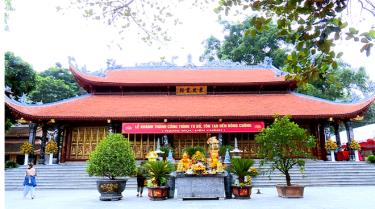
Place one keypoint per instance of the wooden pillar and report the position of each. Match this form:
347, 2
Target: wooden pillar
336, 126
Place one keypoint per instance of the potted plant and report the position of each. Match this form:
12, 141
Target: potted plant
26, 149
331, 146
356, 147
51, 148
112, 158
285, 145
158, 173
243, 170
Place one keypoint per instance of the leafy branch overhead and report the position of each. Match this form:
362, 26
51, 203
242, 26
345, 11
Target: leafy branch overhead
311, 26
148, 16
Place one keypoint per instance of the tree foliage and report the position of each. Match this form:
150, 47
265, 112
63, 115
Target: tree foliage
59, 73
49, 90
343, 84
55, 84
19, 75
249, 49
312, 27
149, 17
284, 144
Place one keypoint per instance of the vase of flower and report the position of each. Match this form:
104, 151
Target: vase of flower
356, 155
354, 145
26, 159
332, 155
50, 159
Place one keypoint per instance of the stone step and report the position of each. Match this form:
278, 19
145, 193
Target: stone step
317, 173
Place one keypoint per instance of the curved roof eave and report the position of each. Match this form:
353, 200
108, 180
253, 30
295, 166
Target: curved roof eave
27, 112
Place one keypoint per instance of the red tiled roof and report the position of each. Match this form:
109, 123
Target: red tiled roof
181, 77
249, 106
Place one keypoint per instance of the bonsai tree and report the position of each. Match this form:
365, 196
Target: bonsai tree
242, 168
158, 172
284, 144
112, 157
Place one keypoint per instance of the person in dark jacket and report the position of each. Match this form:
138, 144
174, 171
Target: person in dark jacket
140, 180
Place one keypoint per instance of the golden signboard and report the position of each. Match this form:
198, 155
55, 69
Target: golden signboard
191, 90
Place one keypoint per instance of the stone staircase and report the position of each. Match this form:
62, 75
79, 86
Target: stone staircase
62, 176
317, 173
323, 173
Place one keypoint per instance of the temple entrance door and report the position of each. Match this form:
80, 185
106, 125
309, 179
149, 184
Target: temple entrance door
84, 141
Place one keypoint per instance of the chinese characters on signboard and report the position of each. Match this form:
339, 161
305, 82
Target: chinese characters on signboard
191, 90
198, 127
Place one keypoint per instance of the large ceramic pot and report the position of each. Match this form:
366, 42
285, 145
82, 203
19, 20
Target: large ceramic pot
241, 192
111, 189
294, 191
158, 193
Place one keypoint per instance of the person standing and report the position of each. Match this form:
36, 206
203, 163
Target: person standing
29, 182
140, 180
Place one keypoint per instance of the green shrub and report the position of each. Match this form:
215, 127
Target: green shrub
193, 149
371, 158
11, 164
112, 157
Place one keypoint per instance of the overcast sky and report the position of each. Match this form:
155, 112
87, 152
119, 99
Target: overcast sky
42, 37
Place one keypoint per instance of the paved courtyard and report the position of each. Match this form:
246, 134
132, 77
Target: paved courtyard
315, 198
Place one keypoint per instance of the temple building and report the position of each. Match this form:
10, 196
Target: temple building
181, 107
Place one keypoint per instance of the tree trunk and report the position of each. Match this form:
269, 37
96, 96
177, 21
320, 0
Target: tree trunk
287, 177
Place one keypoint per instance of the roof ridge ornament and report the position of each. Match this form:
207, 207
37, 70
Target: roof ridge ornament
189, 64
24, 100
153, 65
72, 62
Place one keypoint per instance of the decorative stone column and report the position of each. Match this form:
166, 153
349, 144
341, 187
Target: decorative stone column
327, 135
350, 136
32, 134
43, 143
349, 130
336, 126
59, 131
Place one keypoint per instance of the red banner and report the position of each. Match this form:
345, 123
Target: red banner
199, 127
